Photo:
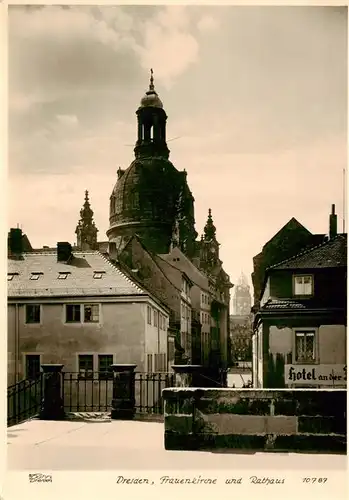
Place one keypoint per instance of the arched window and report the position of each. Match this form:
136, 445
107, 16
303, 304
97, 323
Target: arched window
134, 200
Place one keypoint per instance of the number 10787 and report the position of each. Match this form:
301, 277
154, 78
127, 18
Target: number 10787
314, 480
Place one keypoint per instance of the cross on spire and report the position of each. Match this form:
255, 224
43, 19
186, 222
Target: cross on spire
151, 85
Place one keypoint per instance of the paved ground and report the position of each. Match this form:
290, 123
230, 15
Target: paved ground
110, 445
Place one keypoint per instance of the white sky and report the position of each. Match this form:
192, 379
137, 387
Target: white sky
256, 97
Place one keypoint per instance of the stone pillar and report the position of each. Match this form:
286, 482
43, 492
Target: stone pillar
123, 402
188, 375
52, 407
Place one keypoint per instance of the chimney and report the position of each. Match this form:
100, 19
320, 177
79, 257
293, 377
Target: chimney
64, 251
15, 241
333, 223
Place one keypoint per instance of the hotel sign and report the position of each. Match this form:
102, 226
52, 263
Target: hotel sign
324, 375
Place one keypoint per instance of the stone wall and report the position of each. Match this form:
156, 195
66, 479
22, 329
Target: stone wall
267, 420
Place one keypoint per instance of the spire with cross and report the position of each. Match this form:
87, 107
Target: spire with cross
86, 230
151, 85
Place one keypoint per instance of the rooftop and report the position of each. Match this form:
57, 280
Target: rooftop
332, 253
40, 274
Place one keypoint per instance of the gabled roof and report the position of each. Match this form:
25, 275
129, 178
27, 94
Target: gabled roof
158, 262
332, 253
80, 279
184, 265
291, 225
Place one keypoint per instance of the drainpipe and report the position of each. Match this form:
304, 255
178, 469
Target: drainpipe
16, 342
158, 333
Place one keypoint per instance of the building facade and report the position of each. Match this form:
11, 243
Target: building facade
78, 309
299, 335
241, 330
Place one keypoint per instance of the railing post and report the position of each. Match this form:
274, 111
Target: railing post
123, 402
52, 404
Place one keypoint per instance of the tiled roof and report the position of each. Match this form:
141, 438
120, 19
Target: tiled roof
284, 304
332, 253
309, 304
291, 225
185, 265
79, 281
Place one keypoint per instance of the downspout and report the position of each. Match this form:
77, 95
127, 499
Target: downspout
158, 333
16, 342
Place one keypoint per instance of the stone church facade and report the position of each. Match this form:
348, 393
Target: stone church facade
151, 213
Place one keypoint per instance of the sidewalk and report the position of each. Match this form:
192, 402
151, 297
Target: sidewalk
114, 445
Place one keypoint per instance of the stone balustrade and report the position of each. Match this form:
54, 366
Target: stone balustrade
263, 420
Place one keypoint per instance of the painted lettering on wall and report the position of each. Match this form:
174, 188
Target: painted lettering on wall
324, 375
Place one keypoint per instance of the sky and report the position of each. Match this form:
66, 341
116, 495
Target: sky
256, 99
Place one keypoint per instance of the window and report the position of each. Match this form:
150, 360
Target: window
97, 275
160, 362
32, 366
35, 276
73, 313
91, 313
149, 315
155, 318
33, 313
85, 365
10, 276
63, 275
150, 363
303, 285
305, 346
104, 366
185, 287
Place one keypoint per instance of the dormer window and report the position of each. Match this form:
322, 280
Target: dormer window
63, 275
35, 276
10, 276
97, 275
303, 286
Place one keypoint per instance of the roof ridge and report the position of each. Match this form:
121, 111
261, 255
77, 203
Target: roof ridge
305, 251
293, 219
163, 272
153, 258
120, 272
175, 267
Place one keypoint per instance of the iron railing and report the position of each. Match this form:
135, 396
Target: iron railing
24, 400
148, 391
93, 391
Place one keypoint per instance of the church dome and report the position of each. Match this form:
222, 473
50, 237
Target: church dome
147, 190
